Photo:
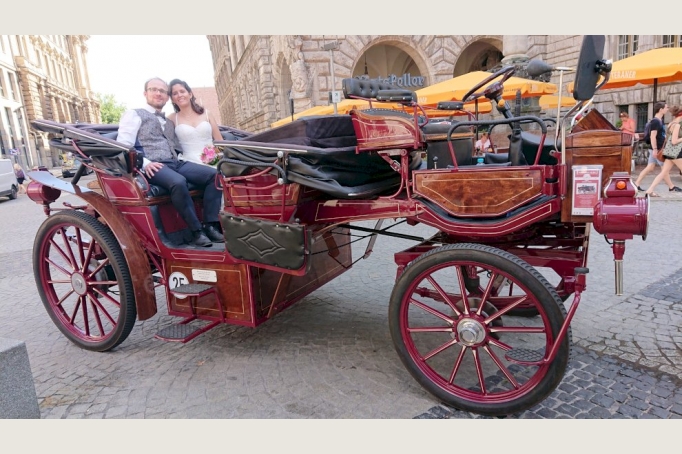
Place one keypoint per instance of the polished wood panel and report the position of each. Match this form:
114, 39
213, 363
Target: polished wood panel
611, 149
384, 131
231, 283
592, 121
486, 192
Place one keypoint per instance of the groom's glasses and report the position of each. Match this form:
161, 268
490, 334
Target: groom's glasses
157, 90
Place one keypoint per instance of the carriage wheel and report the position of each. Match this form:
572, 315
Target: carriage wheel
84, 280
462, 345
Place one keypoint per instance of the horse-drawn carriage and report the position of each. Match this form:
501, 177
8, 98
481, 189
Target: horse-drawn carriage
471, 317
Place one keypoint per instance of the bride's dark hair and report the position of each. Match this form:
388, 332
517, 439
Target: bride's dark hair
192, 101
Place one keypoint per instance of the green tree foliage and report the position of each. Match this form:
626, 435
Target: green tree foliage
110, 109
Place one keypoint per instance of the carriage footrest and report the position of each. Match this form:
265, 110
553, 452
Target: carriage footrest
183, 332
525, 356
192, 289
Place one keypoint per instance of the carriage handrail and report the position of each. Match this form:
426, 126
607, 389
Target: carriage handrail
493, 123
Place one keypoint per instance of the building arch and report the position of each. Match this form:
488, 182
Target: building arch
481, 54
396, 61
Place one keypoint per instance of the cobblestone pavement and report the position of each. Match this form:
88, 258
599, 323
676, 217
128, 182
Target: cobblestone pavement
331, 356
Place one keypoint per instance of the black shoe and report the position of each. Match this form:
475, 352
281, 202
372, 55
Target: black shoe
640, 189
214, 234
675, 189
200, 239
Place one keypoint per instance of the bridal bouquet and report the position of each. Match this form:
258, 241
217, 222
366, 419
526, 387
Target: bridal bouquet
210, 156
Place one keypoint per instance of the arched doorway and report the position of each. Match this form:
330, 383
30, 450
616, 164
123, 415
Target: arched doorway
392, 64
481, 55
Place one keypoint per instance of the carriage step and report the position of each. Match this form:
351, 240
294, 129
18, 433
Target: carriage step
191, 289
525, 356
183, 332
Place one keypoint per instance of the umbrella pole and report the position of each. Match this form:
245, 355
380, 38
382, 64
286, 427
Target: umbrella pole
655, 90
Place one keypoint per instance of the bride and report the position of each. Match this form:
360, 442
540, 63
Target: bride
195, 128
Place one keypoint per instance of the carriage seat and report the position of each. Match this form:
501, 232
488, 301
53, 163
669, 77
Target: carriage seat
529, 148
319, 131
376, 89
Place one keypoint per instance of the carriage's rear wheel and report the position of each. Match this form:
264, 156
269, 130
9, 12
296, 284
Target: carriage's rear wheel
84, 281
462, 345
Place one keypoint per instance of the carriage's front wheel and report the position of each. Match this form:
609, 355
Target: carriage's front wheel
84, 281
459, 340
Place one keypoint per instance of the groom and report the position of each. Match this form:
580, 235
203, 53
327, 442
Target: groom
147, 129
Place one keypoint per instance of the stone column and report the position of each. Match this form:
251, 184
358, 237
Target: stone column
515, 48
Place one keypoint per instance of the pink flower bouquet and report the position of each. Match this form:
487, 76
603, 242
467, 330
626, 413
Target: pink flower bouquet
210, 156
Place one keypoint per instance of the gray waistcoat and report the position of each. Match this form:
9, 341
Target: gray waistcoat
158, 143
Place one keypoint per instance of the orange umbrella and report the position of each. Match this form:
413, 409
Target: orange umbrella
652, 67
454, 89
347, 105
552, 101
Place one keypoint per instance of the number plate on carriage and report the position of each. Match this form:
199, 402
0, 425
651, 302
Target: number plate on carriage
275, 244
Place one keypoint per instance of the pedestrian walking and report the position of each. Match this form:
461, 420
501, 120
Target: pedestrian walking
657, 137
21, 178
674, 139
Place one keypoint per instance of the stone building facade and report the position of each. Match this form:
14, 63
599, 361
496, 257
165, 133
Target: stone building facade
42, 76
260, 77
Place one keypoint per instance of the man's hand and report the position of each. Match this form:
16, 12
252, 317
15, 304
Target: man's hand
151, 168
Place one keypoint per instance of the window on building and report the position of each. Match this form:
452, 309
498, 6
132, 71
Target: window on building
672, 40
641, 116
627, 45
8, 123
2, 83
13, 89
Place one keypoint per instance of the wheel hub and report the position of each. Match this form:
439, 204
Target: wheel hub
470, 332
79, 284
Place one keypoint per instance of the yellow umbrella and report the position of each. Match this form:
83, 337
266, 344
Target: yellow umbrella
454, 89
552, 101
347, 105
648, 68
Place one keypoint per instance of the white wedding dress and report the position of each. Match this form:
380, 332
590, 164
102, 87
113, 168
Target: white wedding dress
194, 139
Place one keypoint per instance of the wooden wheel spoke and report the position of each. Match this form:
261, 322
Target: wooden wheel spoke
458, 363
97, 304
88, 257
107, 296
486, 293
102, 282
79, 242
506, 309
63, 298
60, 249
463, 289
431, 310
438, 350
58, 268
444, 295
67, 243
499, 344
54, 281
101, 265
518, 329
75, 311
86, 322
430, 329
479, 370
502, 367
95, 312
